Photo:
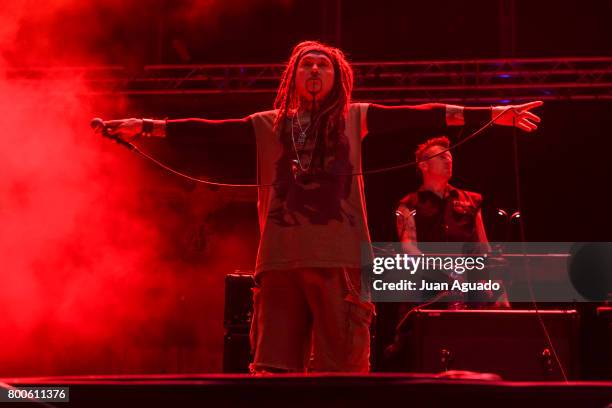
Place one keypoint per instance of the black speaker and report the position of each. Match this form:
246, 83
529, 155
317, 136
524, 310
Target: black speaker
238, 310
236, 352
604, 332
238, 314
510, 343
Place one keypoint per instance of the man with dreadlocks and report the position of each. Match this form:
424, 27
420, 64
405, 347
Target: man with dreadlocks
307, 158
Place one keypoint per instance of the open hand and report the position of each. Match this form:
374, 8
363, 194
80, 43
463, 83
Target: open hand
517, 115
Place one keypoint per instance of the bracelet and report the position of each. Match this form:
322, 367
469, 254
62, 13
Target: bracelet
147, 127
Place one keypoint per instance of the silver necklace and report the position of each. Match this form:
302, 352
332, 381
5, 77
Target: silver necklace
297, 154
302, 137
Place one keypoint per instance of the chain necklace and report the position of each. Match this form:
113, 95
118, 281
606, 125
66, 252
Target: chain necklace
302, 135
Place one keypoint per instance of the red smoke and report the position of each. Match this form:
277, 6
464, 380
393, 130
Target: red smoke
92, 240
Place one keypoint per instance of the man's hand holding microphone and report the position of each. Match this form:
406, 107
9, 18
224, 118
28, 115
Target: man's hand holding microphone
125, 130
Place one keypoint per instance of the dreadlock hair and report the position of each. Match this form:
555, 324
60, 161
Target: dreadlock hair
329, 120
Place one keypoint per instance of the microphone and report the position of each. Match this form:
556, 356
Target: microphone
98, 126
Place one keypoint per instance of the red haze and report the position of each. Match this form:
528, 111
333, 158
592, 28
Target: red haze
93, 280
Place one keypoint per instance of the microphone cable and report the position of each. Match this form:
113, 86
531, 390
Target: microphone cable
517, 180
98, 125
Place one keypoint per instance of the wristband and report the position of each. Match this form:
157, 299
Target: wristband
147, 127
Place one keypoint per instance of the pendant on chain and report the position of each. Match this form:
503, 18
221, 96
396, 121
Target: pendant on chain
301, 138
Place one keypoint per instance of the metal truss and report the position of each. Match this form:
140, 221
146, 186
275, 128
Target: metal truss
493, 80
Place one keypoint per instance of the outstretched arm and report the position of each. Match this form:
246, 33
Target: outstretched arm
232, 139
438, 116
198, 132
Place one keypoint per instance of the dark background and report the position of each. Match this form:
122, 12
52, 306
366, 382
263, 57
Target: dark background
563, 167
211, 31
